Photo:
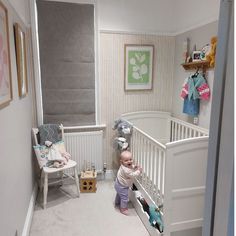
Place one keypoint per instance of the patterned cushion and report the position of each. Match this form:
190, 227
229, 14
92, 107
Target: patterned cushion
42, 153
61, 146
49, 132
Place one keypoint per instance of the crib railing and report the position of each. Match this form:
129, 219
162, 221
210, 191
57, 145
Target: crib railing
150, 155
183, 130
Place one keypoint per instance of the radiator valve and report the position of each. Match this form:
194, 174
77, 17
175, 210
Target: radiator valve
104, 167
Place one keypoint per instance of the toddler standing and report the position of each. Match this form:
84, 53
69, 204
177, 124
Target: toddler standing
124, 180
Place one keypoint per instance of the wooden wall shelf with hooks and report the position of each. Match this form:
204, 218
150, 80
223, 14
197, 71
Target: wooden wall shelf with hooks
196, 65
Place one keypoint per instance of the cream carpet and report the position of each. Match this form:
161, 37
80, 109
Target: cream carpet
93, 214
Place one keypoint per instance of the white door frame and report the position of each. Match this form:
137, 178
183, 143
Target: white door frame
215, 166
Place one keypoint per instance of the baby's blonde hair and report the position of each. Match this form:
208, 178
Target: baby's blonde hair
125, 154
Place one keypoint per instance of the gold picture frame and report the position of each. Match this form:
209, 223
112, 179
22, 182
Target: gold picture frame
20, 44
5, 62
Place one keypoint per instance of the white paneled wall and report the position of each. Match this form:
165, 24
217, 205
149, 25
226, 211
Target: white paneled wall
114, 100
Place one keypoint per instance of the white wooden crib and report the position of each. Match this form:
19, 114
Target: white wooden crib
173, 155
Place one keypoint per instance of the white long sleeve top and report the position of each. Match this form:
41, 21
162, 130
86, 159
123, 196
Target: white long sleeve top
126, 175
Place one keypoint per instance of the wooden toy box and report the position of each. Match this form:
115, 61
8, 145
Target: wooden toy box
88, 181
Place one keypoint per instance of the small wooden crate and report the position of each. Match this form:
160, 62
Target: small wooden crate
88, 181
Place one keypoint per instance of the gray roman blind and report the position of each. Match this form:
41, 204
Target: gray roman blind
66, 47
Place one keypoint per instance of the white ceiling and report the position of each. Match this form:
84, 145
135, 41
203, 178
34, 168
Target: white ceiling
156, 16
169, 17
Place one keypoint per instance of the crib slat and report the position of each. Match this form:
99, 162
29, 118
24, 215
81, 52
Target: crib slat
148, 156
172, 131
137, 144
175, 132
155, 180
192, 133
146, 162
187, 132
134, 146
157, 177
163, 173
159, 170
182, 132
142, 158
138, 147
153, 168
178, 131
150, 167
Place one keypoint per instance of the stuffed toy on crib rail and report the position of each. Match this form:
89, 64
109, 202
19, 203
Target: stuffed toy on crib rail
124, 130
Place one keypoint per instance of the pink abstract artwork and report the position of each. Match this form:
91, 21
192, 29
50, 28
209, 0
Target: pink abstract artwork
5, 72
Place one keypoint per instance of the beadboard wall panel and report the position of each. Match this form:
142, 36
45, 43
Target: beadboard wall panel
114, 99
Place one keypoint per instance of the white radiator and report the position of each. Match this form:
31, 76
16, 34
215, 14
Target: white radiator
86, 149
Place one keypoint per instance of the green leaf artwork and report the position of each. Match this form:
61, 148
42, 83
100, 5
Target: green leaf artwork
138, 67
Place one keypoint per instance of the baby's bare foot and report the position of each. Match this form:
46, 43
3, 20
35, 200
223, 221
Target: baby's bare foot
124, 211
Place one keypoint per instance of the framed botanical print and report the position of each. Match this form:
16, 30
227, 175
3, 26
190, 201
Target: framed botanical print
138, 67
20, 44
5, 65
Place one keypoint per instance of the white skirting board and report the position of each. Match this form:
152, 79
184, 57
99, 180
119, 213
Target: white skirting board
30, 211
109, 175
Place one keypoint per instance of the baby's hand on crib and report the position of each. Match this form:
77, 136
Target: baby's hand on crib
140, 169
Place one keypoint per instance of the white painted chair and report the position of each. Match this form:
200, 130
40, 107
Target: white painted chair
46, 171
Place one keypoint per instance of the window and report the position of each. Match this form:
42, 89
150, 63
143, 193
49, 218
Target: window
67, 61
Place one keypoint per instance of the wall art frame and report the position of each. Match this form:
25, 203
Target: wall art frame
21, 61
196, 56
5, 62
139, 61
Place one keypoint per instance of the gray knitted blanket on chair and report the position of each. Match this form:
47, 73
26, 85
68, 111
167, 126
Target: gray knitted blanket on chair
49, 132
